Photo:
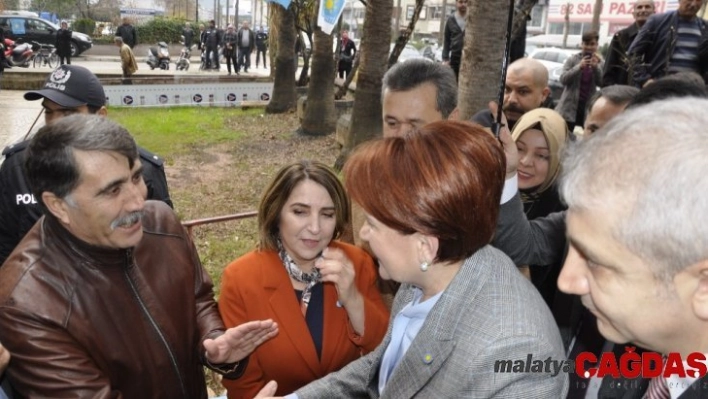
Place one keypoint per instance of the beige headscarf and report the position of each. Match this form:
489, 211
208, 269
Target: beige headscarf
555, 130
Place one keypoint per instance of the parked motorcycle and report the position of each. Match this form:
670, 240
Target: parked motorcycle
159, 57
19, 54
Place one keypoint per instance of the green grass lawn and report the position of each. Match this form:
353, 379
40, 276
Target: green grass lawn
174, 131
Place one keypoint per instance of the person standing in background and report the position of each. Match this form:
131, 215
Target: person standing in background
246, 43
188, 35
128, 33
262, 46
127, 60
454, 37
582, 73
63, 43
346, 55
229, 44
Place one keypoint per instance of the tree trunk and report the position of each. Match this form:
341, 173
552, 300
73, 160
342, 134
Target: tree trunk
596, 11
320, 116
305, 71
405, 34
284, 97
443, 19
566, 25
374, 48
480, 71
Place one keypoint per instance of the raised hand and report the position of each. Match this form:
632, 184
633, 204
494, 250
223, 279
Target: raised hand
238, 342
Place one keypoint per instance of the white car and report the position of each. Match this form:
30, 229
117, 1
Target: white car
553, 59
408, 52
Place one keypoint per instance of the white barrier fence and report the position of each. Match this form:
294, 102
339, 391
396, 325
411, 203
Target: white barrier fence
201, 95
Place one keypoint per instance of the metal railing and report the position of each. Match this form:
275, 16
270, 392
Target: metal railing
191, 224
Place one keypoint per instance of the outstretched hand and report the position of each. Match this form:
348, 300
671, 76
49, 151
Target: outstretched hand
238, 342
510, 151
268, 391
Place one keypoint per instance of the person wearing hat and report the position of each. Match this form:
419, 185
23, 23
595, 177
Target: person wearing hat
540, 137
69, 89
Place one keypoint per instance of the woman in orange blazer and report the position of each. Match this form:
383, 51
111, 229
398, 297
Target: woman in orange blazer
321, 292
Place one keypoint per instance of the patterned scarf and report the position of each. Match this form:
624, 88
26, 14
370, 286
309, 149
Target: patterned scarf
310, 279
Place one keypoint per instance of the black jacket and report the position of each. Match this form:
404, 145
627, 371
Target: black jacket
211, 37
617, 67
453, 41
63, 43
652, 48
188, 34
261, 40
19, 210
128, 33
347, 51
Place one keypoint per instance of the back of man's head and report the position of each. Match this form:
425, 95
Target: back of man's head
667, 88
408, 75
71, 86
615, 94
646, 171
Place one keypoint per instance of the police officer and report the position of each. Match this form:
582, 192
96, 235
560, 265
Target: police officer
69, 89
261, 46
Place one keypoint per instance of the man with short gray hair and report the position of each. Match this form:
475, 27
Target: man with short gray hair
638, 238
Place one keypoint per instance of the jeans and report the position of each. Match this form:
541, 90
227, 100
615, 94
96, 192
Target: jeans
244, 58
212, 56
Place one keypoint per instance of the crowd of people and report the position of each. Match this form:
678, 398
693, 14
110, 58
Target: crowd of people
538, 244
237, 46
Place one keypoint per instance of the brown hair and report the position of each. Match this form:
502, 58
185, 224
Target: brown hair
444, 180
278, 191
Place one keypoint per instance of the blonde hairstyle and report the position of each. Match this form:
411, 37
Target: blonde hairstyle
555, 131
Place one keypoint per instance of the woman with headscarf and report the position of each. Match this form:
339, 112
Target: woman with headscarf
540, 137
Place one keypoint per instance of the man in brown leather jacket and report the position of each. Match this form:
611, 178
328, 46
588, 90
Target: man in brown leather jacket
106, 296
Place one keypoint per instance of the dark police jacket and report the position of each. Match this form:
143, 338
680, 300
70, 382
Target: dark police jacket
19, 210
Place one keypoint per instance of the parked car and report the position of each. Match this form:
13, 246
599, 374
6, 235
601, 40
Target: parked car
553, 59
408, 52
26, 29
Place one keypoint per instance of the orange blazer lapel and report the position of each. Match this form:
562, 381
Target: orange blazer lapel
291, 323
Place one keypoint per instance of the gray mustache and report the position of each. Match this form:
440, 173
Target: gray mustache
127, 220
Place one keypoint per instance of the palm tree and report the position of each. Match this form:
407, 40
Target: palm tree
320, 116
375, 42
284, 97
480, 71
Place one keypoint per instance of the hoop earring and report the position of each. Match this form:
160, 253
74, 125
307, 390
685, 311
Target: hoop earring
424, 266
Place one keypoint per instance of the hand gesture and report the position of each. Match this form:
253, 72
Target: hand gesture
238, 342
510, 150
268, 391
336, 268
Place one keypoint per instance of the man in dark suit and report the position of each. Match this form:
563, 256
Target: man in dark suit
638, 256
617, 65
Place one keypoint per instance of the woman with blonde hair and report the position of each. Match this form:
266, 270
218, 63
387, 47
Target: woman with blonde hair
540, 137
